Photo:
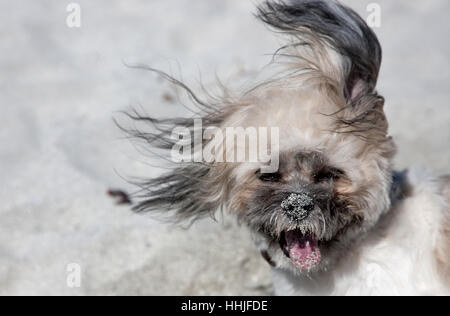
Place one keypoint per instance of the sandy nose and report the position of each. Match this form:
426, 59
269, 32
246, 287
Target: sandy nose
298, 206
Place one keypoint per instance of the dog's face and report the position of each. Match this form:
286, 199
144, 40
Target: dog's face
330, 187
334, 154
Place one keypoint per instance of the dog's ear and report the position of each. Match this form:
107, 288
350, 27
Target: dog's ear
187, 193
190, 190
337, 27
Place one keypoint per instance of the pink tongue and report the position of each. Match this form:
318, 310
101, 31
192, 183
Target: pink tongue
304, 252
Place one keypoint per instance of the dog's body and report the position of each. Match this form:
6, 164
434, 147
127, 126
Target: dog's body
334, 218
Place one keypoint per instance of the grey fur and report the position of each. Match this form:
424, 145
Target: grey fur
186, 190
331, 215
175, 191
339, 26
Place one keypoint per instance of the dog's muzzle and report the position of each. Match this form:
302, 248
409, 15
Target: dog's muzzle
298, 206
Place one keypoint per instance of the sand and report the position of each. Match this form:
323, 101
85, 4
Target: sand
60, 88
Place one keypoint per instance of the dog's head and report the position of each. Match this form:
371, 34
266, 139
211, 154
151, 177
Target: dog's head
333, 154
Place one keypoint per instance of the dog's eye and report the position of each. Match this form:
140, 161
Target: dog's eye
328, 174
270, 177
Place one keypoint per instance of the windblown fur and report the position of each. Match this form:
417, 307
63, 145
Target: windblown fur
371, 231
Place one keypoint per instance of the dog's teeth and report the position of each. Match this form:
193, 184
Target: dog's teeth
307, 244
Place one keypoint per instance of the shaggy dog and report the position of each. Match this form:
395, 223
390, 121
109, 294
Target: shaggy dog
332, 218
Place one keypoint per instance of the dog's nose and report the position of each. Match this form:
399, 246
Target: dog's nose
298, 206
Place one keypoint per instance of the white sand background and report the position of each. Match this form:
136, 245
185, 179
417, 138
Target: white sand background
60, 151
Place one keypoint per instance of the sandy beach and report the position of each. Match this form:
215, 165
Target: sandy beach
60, 88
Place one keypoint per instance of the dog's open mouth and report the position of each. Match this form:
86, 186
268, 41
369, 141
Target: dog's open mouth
302, 250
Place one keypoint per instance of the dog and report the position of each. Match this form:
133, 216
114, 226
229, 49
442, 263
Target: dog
333, 217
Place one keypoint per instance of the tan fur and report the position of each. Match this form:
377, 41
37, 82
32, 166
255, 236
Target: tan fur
242, 198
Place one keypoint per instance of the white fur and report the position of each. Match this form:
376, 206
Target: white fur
396, 258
